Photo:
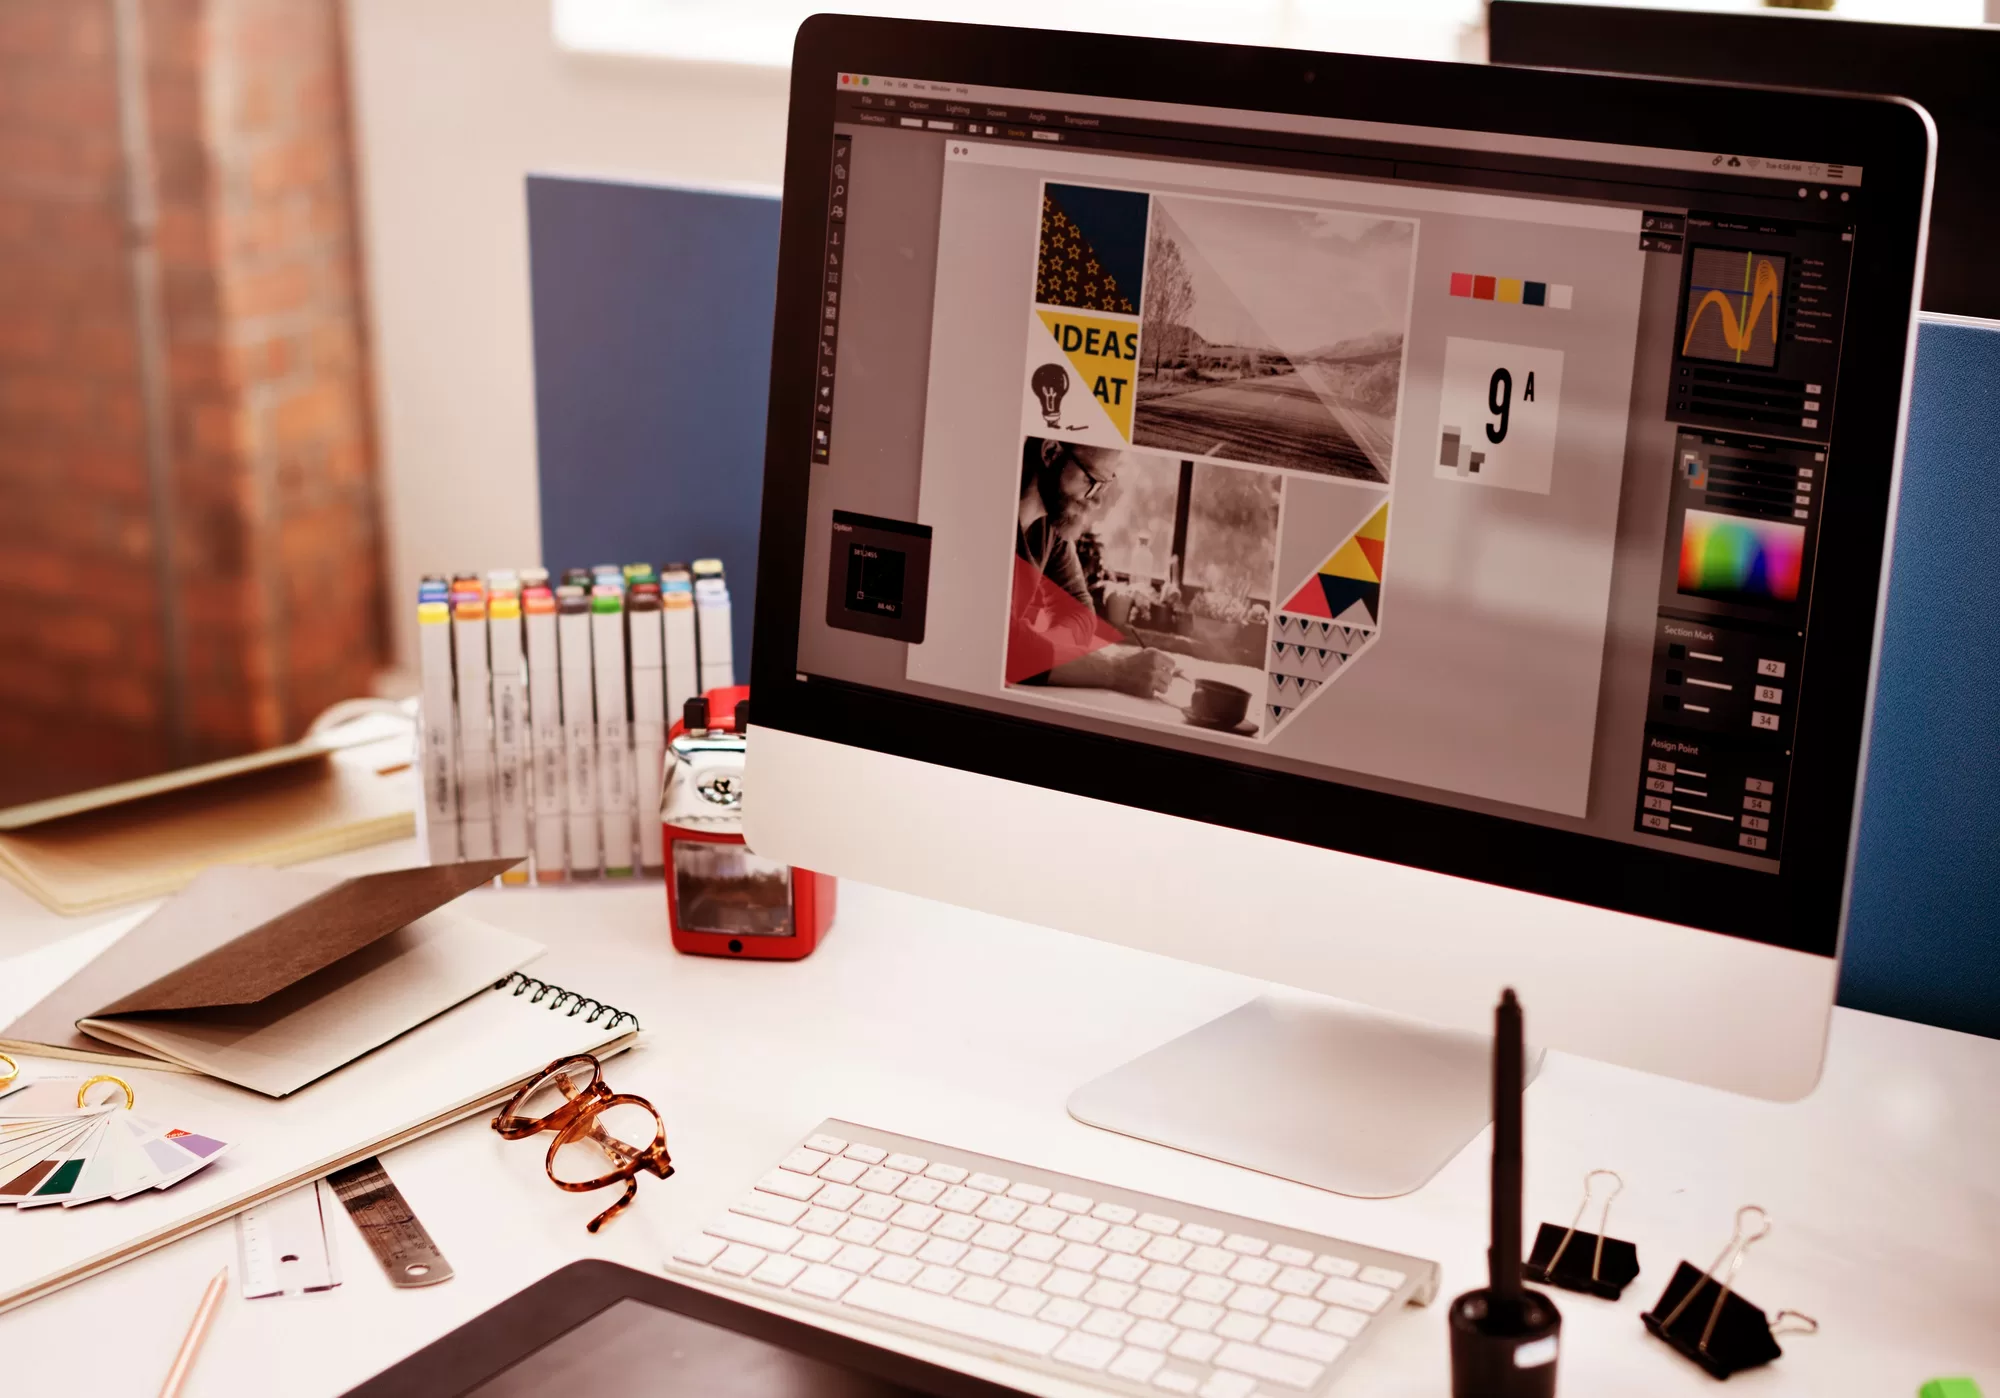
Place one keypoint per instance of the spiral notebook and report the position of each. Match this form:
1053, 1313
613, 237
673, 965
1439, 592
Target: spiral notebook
442, 1071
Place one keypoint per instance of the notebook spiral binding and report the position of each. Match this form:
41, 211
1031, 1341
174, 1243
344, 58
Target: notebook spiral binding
538, 991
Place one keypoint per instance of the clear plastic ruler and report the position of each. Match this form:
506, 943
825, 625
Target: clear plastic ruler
285, 1246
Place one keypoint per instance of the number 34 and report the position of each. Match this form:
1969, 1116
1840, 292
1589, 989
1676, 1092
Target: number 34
1499, 401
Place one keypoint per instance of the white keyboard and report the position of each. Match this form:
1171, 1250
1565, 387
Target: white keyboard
1131, 1292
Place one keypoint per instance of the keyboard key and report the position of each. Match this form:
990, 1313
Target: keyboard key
998, 1236
1285, 1255
920, 1190
1297, 1281
1064, 1282
1335, 1266
951, 1313
1124, 1240
1356, 1295
958, 1199
1211, 1260
901, 1242
987, 1184
908, 1164
778, 1271
1150, 1334
1159, 1223
1065, 1311
1019, 1271
1168, 1250
1039, 1247
1071, 1203
1028, 1193
845, 1170
1114, 1213
1338, 1320
957, 1227
900, 1270
1112, 1325
983, 1262
1382, 1276
922, 1216
1020, 1300
946, 1174
1227, 1386
826, 1145
939, 1280
1041, 1219
999, 1209
1110, 1293
1196, 1316
1122, 1266
772, 1237
838, 1196
1194, 1346
941, 1252
1081, 1257
816, 1249
1083, 1230
821, 1221
880, 1207
1255, 1300
700, 1250
1176, 1381
1306, 1344
1086, 1351
1296, 1310
1254, 1270
882, 1180
1135, 1363
769, 1207
1153, 1305
1238, 1326
867, 1155
855, 1258
1171, 1280
1263, 1364
792, 1186
804, 1161
1245, 1244
824, 1282
982, 1291
860, 1230
1214, 1290
1201, 1235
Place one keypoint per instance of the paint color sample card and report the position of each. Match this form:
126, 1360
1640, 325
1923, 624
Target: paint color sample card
55, 1151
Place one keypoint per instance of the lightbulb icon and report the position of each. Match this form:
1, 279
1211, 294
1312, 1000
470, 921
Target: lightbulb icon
1050, 383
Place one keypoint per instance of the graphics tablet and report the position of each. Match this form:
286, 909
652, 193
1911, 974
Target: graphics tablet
598, 1328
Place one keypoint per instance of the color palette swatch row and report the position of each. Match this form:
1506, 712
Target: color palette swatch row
1514, 290
1729, 556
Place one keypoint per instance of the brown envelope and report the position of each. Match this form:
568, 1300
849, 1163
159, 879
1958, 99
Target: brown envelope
236, 935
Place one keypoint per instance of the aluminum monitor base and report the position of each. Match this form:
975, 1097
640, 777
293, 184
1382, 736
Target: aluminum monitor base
1308, 1089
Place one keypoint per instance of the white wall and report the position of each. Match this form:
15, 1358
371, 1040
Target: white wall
455, 102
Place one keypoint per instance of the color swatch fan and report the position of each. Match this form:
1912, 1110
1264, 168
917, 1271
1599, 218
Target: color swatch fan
1329, 620
75, 1140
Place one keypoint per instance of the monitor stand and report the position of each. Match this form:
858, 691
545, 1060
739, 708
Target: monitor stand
1309, 1089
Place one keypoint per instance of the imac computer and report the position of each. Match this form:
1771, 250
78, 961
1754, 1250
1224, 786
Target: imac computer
1947, 68
1394, 530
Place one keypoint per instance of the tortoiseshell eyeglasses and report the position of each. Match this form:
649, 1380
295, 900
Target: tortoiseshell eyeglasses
602, 1136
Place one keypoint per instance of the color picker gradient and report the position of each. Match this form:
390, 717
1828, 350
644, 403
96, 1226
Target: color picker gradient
1727, 556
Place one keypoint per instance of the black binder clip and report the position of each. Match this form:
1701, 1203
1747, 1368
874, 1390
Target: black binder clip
1588, 1262
1727, 1334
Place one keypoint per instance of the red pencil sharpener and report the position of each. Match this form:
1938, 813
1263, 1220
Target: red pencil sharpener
723, 900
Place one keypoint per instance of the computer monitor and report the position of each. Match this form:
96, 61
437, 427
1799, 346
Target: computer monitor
1391, 529
1946, 68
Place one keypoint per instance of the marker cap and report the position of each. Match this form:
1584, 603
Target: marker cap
505, 607
430, 613
607, 602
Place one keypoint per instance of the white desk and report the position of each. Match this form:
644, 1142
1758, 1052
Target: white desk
969, 1030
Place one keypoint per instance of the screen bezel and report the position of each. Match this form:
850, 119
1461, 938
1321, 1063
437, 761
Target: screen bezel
1801, 906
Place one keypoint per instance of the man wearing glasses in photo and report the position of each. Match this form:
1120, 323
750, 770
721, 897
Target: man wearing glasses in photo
1056, 635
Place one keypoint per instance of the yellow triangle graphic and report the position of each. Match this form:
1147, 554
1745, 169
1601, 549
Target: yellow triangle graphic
1105, 353
1377, 526
1349, 561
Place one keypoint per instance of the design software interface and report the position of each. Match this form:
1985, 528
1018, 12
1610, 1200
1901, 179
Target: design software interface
1474, 468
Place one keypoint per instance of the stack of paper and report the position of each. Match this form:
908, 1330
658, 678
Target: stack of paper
55, 1151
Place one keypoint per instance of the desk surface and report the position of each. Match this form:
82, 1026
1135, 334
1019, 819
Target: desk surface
970, 1030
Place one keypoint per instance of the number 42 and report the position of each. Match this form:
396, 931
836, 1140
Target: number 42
1499, 396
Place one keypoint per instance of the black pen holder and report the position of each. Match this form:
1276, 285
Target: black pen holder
1496, 1356
1571, 1266
1740, 1339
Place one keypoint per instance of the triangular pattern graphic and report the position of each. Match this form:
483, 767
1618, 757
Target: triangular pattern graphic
1330, 620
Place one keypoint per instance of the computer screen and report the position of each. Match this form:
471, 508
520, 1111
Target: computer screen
1476, 468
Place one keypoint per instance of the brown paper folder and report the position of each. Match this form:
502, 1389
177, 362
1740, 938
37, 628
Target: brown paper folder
271, 978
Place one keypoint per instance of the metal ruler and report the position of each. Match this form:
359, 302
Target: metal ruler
284, 1244
393, 1234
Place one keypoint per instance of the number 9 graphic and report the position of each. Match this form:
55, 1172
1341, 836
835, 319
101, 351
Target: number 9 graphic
1499, 394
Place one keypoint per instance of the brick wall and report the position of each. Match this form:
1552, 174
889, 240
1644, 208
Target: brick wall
272, 506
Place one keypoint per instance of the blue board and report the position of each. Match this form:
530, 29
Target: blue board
652, 326
1923, 930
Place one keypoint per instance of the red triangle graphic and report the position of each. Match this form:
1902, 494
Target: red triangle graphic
1310, 600
1372, 548
1047, 627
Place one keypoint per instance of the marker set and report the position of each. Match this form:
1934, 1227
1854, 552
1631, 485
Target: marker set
545, 709
54, 1151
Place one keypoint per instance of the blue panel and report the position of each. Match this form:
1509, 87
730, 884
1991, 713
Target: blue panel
652, 321
1923, 935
